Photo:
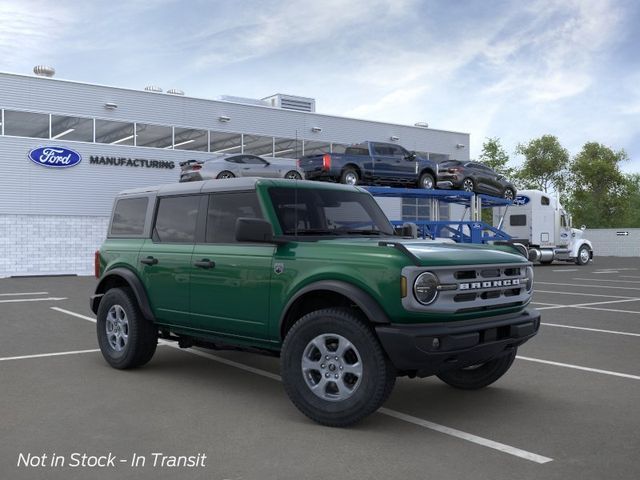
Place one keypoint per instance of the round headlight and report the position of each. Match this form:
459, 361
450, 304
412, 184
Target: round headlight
529, 275
425, 288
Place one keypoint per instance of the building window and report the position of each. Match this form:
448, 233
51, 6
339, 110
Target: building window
227, 143
190, 139
114, 133
258, 145
155, 136
287, 147
316, 148
26, 124
71, 128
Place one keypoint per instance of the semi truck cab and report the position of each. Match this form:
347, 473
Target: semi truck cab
537, 220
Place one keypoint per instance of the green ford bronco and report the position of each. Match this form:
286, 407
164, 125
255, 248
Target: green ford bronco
314, 273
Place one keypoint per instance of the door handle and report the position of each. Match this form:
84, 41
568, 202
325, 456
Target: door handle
204, 263
149, 261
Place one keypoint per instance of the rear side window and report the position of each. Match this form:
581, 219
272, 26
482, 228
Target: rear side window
176, 219
128, 216
224, 210
518, 220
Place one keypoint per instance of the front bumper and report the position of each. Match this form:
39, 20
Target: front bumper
430, 349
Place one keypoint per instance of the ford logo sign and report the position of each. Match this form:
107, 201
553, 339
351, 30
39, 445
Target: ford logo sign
521, 200
55, 157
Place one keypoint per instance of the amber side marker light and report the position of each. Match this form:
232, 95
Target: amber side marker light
403, 287
96, 264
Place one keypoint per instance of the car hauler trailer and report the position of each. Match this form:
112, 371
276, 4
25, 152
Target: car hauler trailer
537, 220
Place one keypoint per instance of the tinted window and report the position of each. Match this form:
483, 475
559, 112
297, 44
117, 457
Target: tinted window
544, 201
72, 128
129, 215
26, 124
518, 220
327, 212
250, 159
176, 219
357, 151
224, 210
115, 133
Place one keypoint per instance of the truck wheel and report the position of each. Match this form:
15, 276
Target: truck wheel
426, 181
583, 255
349, 177
126, 338
225, 174
481, 375
468, 185
334, 369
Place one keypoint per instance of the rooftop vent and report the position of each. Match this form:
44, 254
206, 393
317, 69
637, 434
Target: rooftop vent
246, 101
175, 91
153, 88
44, 71
291, 102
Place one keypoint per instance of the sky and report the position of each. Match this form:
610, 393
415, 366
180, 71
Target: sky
508, 69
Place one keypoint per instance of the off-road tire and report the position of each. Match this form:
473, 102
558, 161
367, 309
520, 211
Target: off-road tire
142, 334
378, 374
480, 376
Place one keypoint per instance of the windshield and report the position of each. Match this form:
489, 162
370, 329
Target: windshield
328, 212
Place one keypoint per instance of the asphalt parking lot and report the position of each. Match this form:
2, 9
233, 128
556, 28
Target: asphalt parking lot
569, 408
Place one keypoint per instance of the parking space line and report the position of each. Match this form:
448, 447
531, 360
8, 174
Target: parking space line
584, 294
549, 304
22, 293
578, 367
384, 411
603, 280
467, 436
583, 285
611, 310
56, 354
614, 332
19, 300
566, 270
629, 276
73, 314
588, 305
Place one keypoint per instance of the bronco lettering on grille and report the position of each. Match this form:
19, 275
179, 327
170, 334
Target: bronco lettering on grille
515, 282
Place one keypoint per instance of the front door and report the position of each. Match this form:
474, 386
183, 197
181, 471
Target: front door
165, 259
229, 280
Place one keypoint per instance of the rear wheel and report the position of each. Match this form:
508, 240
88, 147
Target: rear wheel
225, 174
349, 177
334, 369
468, 185
426, 181
508, 194
126, 338
481, 375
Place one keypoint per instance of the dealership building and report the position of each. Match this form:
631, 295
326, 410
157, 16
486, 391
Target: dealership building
53, 219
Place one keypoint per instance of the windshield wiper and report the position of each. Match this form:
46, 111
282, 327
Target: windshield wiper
362, 232
313, 231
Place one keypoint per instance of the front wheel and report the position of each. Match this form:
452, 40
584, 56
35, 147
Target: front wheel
126, 338
334, 369
468, 185
426, 181
481, 375
508, 194
583, 255
293, 175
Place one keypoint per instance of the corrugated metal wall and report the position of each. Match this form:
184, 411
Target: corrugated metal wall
619, 242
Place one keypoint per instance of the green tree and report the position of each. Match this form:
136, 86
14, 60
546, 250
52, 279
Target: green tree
599, 190
545, 164
632, 201
495, 157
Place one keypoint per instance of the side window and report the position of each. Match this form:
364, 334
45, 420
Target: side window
224, 209
129, 215
518, 220
250, 159
544, 200
176, 219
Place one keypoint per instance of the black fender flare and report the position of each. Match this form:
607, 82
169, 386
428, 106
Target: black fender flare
363, 300
133, 281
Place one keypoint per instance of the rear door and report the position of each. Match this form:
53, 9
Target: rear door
165, 259
230, 280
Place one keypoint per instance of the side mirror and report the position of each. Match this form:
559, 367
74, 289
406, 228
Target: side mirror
255, 230
411, 156
407, 230
583, 227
